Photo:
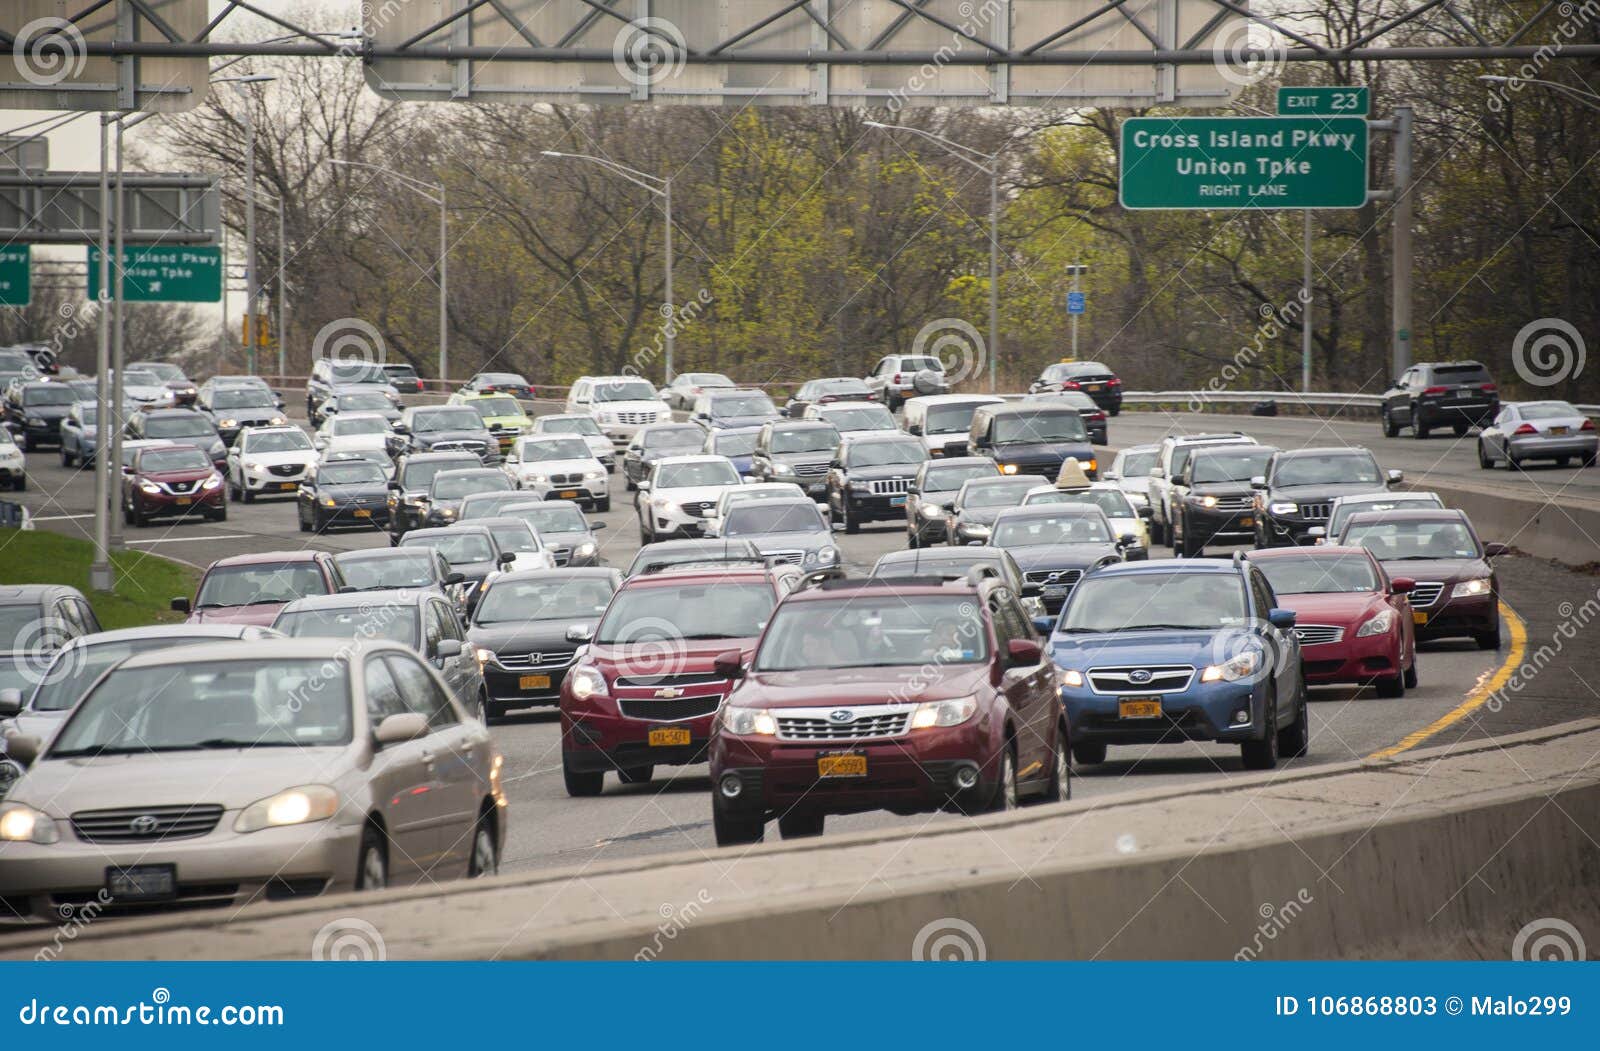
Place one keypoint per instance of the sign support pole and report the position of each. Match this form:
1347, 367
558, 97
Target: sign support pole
100, 567
994, 271
112, 440
1402, 239
1305, 317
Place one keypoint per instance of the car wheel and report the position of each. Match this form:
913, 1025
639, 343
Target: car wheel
627, 482
221, 515
637, 775
1005, 792
850, 524
1419, 432
485, 860
1391, 686
372, 865
1484, 462
233, 492
300, 516
1589, 461
913, 541
1411, 674
1460, 430
1087, 753
800, 826
1489, 640
318, 523
24, 443
482, 708
734, 830
1390, 428
582, 783
1060, 786
1295, 741
20, 483
246, 495
66, 460
602, 505
1262, 754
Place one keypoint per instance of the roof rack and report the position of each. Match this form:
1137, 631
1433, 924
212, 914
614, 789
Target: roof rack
709, 562
1238, 558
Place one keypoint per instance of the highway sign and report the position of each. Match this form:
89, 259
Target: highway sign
1076, 302
49, 67
15, 275
1243, 162
165, 273
1324, 102
64, 208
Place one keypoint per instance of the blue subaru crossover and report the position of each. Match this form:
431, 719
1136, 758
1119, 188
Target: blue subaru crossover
1181, 650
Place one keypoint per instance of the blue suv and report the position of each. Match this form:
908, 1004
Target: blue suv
1168, 651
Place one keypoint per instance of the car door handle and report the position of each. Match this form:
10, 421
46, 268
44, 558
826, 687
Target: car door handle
427, 757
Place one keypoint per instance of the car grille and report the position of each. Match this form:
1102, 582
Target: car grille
1165, 678
1067, 577
1238, 503
1426, 593
788, 558
701, 509
663, 710
660, 681
286, 470
477, 448
1318, 634
180, 488
809, 470
566, 479
819, 725
890, 486
1316, 512
561, 555
636, 418
554, 659
143, 824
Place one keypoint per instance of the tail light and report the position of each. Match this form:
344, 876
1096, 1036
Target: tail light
1113, 382
1098, 416
1070, 385
897, 378
1488, 388
1588, 425
1435, 392
1526, 428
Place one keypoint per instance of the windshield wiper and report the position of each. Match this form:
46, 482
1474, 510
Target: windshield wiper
711, 635
1422, 558
228, 742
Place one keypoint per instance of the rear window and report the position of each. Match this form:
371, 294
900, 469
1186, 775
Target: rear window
1461, 374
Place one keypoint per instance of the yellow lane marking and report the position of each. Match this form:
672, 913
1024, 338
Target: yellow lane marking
1478, 697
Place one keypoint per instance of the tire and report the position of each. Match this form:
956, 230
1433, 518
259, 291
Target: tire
1295, 741
1005, 790
1158, 531
582, 783
913, 542
24, 443
66, 461
638, 775
493, 712
1460, 430
247, 496
851, 526
1418, 431
1484, 463
1088, 753
1060, 786
800, 826
140, 520
1189, 548
1393, 686
318, 523
734, 830
485, 858
1411, 674
221, 515
20, 484
233, 492
602, 506
305, 527
627, 483
1489, 640
372, 861
1589, 461
1263, 754
1390, 428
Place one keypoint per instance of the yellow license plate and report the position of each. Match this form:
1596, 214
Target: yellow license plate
1558, 430
1419, 618
852, 765
363, 514
669, 737
184, 501
533, 682
1092, 386
1145, 709
1247, 520
289, 485
568, 494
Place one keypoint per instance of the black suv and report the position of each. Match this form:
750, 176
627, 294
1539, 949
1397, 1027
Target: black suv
1032, 438
232, 409
184, 426
1212, 499
444, 428
1055, 545
1455, 394
413, 478
34, 412
797, 451
1090, 377
1299, 485
870, 477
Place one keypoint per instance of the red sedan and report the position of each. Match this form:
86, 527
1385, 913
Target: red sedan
1354, 623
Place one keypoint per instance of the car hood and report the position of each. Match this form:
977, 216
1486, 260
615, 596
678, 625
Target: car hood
1222, 488
47, 412
981, 515
234, 777
1139, 648
527, 635
813, 457
1042, 450
689, 657
559, 466
1445, 569
247, 413
846, 687
1060, 556
142, 393
892, 470
295, 456
755, 420
652, 455
631, 406
358, 441
188, 474
599, 444
435, 437
1324, 491
357, 491
692, 494
1343, 607
261, 615
795, 541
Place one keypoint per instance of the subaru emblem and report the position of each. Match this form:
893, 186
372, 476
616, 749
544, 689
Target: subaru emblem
1140, 675
841, 715
143, 825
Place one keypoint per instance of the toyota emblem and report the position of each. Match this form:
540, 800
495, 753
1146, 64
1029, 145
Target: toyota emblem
841, 715
1142, 675
143, 825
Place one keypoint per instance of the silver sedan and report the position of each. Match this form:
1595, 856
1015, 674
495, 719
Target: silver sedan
1538, 430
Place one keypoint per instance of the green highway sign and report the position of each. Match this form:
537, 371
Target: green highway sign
1243, 162
16, 275
1324, 102
164, 273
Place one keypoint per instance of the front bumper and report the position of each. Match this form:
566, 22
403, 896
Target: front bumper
346, 514
269, 482
1358, 660
1203, 712
869, 507
1282, 531
595, 735
584, 492
153, 506
1450, 618
1208, 524
525, 687
42, 432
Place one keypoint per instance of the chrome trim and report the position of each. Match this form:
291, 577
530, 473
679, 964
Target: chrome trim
1123, 671
885, 721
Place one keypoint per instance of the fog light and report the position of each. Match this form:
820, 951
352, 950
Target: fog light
731, 786
1241, 716
967, 777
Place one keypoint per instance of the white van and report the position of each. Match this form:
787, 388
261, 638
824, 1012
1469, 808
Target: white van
944, 419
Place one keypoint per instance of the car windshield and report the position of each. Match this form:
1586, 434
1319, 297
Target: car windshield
885, 454
1138, 464
357, 372
535, 449
131, 378
949, 479
49, 394
675, 438
773, 517
689, 475
19, 620
653, 619
1462, 374
1406, 502
1007, 493
192, 707
1548, 410
1417, 541
18, 671
267, 582
347, 425
1319, 574
242, 398
743, 405
1230, 466
1326, 469
178, 427
181, 459
1111, 501
162, 370
401, 371
624, 390
840, 387
351, 472
912, 363
807, 440
457, 548
1033, 530
365, 401
550, 518
705, 379
391, 569
950, 419
570, 425
420, 475
520, 601
866, 418
1055, 426
459, 418
277, 442
487, 407
866, 631
393, 621
454, 487
735, 444
1145, 601
514, 536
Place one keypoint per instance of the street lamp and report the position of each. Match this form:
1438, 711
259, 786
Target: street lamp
662, 188
1583, 98
989, 164
433, 193
252, 292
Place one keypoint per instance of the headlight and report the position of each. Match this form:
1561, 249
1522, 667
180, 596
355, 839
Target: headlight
150, 487
943, 713
416, 501
1469, 588
34, 421
537, 479
227, 423
1378, 625
1205, 501
447, 512
584, 550
1008, 468
484, 655
745, 722
212, 482
1283, 507
1071, 677
661, 503
254, 467
23, 824
593, 476
278, 421
782, 470
930, 510
828, 556
1232, 669
328, 501
292, 806
587, 682
975, 529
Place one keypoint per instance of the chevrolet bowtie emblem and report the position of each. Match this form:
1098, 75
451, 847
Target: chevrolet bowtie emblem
669, 692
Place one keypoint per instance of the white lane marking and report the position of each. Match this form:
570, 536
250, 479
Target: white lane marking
59, 518
194, 539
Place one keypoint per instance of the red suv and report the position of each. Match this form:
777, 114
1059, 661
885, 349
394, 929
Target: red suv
906, 694
252, 589
171, 480
645, 690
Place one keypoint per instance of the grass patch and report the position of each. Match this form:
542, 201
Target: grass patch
144, 583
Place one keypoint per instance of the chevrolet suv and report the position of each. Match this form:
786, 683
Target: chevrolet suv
870, 478
1294, 495
906, 694
645, 689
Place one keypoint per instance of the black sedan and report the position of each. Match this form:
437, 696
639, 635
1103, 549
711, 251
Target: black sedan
343, 492
500, 383
1055, 545
522, 631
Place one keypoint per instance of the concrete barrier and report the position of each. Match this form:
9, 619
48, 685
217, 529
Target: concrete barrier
1560, 527
1444, 852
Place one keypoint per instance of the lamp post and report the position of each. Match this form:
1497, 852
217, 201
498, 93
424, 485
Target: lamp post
989, 164
433, 193
662, 188
252, 291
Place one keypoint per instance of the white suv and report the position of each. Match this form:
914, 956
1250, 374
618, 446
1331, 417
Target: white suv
681, 493
1174, 453
619, 404
896, 378
558, 466
268, 460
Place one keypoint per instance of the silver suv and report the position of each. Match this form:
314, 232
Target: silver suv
901, 376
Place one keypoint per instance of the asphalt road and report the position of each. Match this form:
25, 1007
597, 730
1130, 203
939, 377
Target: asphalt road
549, 829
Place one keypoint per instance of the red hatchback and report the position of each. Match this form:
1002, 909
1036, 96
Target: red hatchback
171, 480
906, 694
1354, 622
253, 589
645, 690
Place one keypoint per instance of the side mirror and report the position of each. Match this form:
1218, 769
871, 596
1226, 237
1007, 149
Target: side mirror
392, 484
783, 410
1158, 472
729, 665
914, 428
397, 729
1044, 625
579, 633
348, 589
400, 427
1258, 481
453, 579
1494, 549
10, 701
1395, 476
24, 748
596, 526
643, 485
1023, 652
1128, 540
1281, 618
180, 605
1317, 531
1110, 476
506, 558
1402, 585
447, 648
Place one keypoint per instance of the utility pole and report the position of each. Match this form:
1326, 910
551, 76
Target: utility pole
672, 321
111, 436
100, 567
1305, 316
1402, 239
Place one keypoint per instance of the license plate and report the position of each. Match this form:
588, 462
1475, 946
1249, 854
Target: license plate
1092, 386
1140, 709
842, 764
669, 737
184, 501
568, 494
288, 485
533, 682
142, 882
363, 513
897, 501
1558, 430
1247, 520
1418, 617
1054, 590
